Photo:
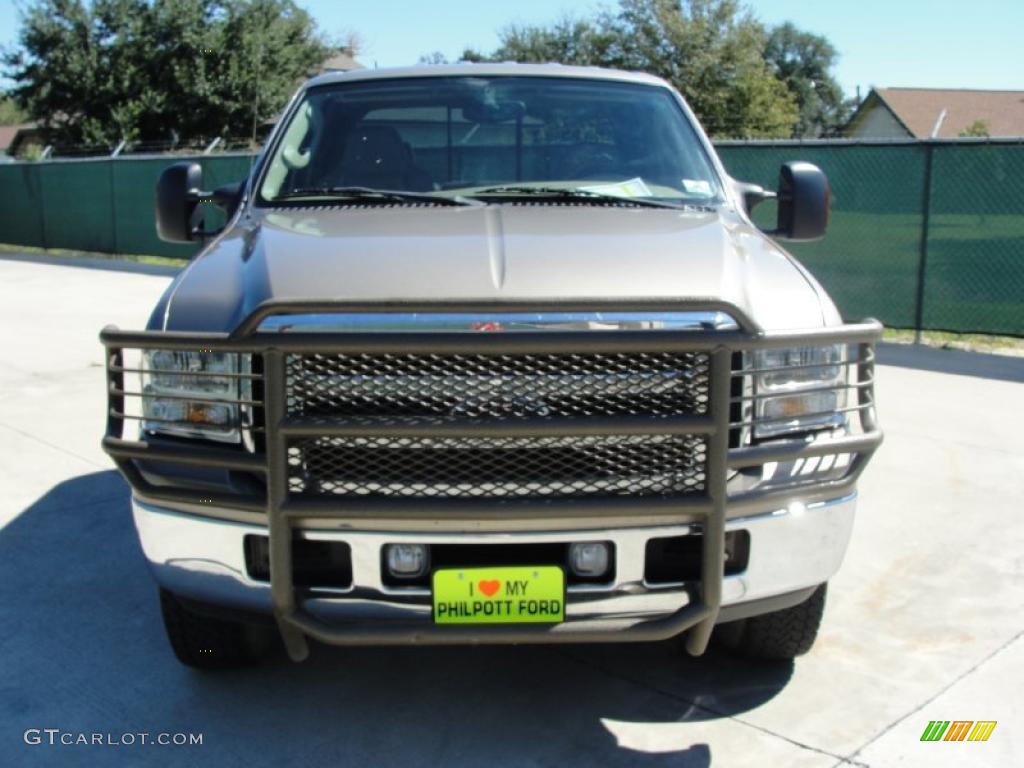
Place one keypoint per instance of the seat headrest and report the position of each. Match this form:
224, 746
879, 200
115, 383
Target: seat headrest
376, 151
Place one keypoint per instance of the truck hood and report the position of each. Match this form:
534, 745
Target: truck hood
493, 253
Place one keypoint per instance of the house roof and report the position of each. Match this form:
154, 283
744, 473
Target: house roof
919, 109
7, 133
342, 61
12, 135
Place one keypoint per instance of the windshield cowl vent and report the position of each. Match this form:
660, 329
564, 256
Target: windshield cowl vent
604, 203
352, 206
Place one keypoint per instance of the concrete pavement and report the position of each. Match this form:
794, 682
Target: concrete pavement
924, 621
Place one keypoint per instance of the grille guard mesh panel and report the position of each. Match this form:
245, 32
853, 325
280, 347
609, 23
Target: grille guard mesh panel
498, 468
506, 387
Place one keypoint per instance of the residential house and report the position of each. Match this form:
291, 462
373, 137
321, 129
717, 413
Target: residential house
943, 113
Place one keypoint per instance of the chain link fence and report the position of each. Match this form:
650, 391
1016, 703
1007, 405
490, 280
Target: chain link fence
924, 235
102, 204
35, 149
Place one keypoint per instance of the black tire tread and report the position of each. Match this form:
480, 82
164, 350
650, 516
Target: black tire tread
786, 634
203, 642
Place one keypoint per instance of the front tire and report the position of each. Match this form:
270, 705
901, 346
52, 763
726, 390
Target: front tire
204, 642
780, 635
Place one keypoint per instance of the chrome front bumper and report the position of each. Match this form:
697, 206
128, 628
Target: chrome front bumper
792, 549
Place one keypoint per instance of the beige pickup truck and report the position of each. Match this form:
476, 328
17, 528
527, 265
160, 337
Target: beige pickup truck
491, 354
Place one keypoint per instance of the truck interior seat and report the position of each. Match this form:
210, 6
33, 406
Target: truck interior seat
376, 156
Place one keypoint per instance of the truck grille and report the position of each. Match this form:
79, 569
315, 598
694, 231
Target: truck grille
390, 389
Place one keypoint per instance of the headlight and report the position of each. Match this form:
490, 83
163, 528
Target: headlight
783, 402
183, 394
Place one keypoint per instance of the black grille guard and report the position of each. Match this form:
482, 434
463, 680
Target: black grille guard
845, 454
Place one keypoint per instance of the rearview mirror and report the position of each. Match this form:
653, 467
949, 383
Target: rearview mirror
804, 198
178, 194
497, 112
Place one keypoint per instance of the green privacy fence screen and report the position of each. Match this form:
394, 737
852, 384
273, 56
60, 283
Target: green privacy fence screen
923, 234
103, 205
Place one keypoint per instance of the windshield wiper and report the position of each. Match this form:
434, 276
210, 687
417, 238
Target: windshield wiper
371, 194
575, 193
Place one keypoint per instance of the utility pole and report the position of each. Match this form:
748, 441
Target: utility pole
256, 89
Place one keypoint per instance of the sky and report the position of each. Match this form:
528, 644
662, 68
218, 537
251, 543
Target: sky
909, 43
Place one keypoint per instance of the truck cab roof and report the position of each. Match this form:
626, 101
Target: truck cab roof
487, 69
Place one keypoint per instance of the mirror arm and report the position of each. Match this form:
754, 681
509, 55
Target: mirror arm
760, 197
225, 198
753, 194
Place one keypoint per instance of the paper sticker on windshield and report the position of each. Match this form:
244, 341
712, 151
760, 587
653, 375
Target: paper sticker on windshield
628, 188
698, 187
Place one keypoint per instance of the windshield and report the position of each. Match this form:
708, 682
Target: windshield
489, 138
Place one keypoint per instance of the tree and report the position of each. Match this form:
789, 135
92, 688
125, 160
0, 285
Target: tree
433, 58
10, 112
472, 55
977, 129
568, 41
154, 70
803, 61
711, 50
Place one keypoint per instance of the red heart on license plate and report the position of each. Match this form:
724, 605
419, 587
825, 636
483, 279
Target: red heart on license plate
489, 587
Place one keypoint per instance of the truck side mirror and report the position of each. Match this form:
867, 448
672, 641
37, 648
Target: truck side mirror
804, 199
178, 194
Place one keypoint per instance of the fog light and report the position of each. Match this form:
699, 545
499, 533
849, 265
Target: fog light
406, 560
588, 558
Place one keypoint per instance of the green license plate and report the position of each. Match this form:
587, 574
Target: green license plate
504, 595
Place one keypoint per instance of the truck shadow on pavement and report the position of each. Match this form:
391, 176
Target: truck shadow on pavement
83, 650
107, 263
955, 361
